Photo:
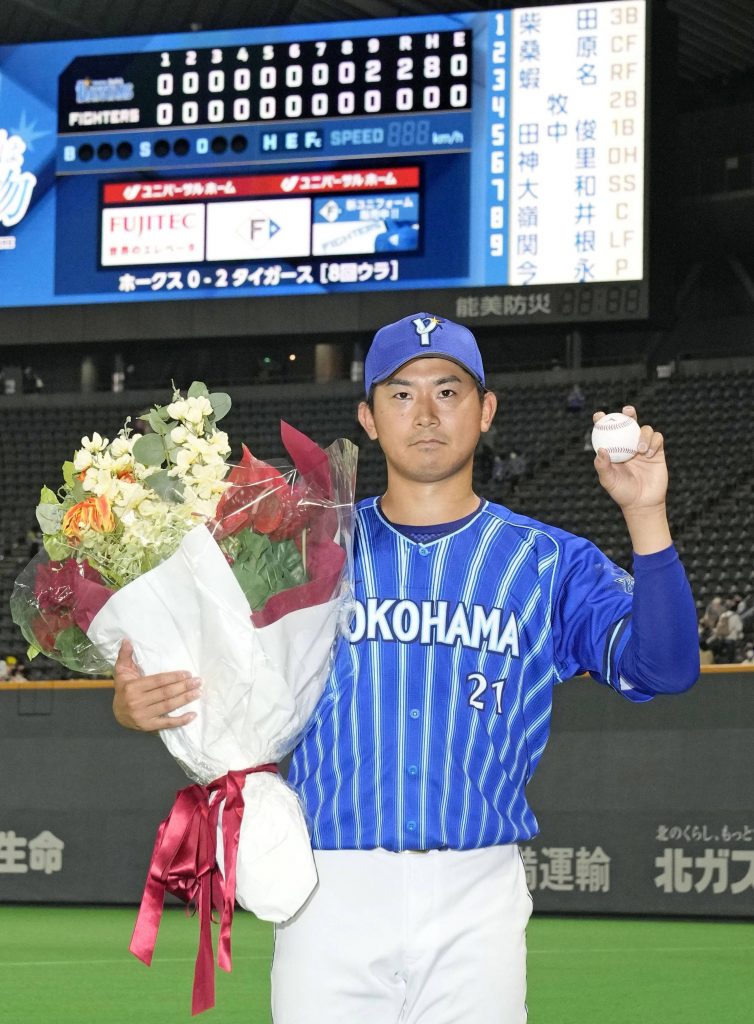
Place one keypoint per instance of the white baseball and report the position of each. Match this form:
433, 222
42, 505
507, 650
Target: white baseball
618, 435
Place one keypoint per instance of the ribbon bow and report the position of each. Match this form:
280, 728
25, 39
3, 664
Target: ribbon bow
184, 863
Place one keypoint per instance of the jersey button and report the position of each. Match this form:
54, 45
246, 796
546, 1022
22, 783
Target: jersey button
411, 826
414, 712
413, 770
423, 550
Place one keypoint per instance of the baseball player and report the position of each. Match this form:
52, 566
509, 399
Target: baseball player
437, 709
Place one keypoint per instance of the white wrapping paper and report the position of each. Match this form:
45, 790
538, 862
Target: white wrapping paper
259, 688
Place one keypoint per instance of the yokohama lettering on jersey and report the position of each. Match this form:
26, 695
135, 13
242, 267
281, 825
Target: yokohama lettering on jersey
438, 704
435, 622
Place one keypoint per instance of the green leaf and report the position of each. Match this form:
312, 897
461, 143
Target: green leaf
198, 390
32, 652
251, 546
48, 497
50, 517
69, 474
264, 568
221, 404
56, 548
254, 587
149, 450
158, 422
72, 643
77, 491
169, 488
288, 557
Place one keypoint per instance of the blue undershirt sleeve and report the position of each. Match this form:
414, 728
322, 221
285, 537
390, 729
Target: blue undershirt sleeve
661, 654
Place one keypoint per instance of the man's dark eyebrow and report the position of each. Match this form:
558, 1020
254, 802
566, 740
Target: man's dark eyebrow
399, 381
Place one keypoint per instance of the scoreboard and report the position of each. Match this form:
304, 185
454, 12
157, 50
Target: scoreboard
493, 163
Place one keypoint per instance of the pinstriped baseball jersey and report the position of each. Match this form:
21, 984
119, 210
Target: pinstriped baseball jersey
437, 709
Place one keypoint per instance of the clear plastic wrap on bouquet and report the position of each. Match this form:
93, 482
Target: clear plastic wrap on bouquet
250, 600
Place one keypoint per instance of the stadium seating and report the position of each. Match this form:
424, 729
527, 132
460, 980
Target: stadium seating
708, 419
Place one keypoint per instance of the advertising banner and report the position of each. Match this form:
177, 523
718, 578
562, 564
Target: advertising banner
642, 809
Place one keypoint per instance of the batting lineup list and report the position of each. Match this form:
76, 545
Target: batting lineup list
576, 143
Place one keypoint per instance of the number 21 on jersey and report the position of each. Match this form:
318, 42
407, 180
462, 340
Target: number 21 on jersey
481, 685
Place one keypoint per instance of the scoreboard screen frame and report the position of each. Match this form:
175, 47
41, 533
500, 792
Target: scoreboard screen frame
364, 180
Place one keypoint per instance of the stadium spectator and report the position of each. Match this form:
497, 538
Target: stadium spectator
576, 399
712, 612
16, 671
728, 631
499, 470
732, 620
745, 608
518, 467
32, 383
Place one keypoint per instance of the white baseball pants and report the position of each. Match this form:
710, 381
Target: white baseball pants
407, 938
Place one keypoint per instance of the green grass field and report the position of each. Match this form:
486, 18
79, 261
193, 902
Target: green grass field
61, 965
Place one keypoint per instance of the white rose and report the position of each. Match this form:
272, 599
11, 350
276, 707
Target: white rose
105, 485
197, 444
184, 459
189, 496
205, 508
82, 460
120, 447
219, 439
193, 413
96, 444
197, 409
201, 472
177, 410
204, 491
147, 507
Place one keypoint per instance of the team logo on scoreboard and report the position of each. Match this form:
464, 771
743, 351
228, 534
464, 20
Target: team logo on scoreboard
104, 90
16, 184
259, 229
424, 326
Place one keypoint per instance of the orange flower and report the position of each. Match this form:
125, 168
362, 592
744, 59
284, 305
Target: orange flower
93, 514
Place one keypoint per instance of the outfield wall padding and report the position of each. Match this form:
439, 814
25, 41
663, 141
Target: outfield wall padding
643, 809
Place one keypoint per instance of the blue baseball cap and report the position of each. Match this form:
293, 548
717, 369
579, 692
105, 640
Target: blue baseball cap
420, 334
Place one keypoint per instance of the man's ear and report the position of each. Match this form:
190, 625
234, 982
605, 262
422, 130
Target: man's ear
489, 408
366, 419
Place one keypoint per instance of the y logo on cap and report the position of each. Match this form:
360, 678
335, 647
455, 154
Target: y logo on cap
424, 327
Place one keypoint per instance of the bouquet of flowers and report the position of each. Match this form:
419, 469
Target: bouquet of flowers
239, 574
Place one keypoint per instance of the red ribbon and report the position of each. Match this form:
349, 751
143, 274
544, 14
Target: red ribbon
184, 863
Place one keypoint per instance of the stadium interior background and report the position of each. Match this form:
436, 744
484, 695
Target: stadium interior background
689, 369
672, 810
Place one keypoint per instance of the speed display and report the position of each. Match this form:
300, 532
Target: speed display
495, 158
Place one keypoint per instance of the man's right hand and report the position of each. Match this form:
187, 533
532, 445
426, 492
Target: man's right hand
143, 702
